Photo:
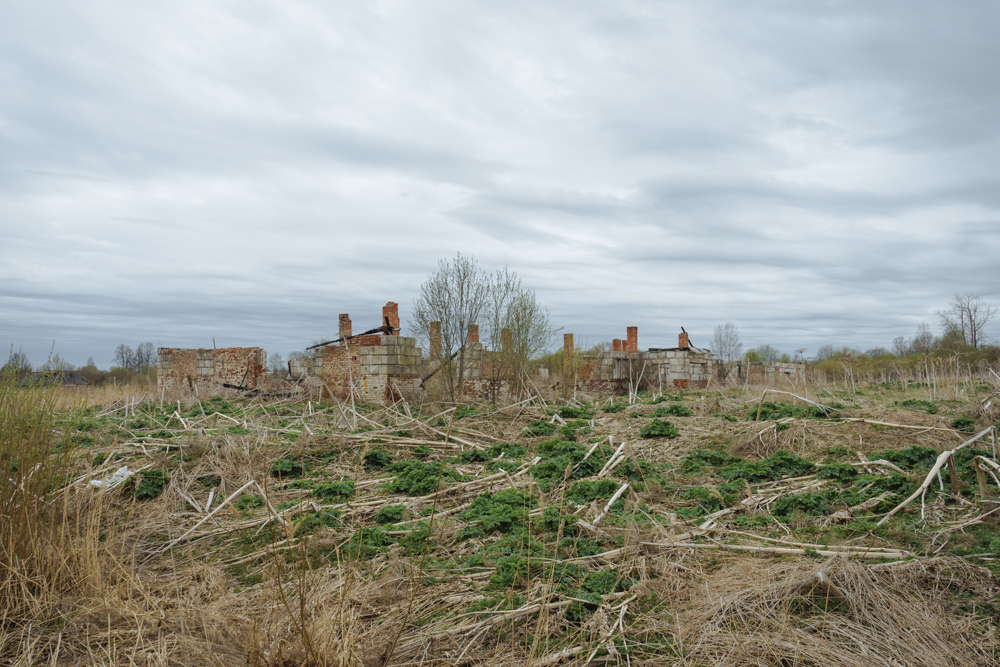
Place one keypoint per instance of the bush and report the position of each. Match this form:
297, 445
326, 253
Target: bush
839, 471
812, 504
150, 484
416, 478
558, 456
391, 514
964, 424
510, 450
659, 429
366, 542
585, 491
573, 428
341, 490
376, 459
920, 406
539, 429
499, 512
672, 410
775, 411
911, 458
287, 468
569, 412
780, 464
696, 460
615, 408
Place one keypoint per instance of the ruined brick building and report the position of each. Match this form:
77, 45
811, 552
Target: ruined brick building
206, 371
386, 366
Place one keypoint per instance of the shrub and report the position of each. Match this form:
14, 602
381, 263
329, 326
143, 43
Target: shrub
474, 456
813, 504
696, 460
910, 458
573, 428
558, 456
310, 521
839, 471
569, 412
416, 478
920, 406
499, 512
775, 411
615, 408
659, 429
510, 450
780, 464
539, 429
391, 514
287, 468
150, 484
584, 491
341, 490
713, 498
366, 542
465, 411
376, 459
418, 541
672, 410
964, 424
248, 503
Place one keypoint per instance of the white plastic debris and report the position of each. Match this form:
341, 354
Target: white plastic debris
114, 479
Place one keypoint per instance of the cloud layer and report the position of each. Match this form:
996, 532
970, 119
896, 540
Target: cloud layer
818, 173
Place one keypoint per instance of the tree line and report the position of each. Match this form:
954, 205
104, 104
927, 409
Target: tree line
128, 364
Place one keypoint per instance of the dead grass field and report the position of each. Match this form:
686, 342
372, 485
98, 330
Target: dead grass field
289, 532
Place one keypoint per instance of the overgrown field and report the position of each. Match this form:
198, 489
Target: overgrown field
696, 528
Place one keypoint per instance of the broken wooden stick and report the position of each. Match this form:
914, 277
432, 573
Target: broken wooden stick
941, 460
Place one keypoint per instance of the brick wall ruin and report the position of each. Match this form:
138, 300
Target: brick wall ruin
681, 367
384, 366
208, 371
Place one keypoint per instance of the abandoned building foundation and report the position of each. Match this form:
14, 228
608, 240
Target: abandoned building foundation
385, 367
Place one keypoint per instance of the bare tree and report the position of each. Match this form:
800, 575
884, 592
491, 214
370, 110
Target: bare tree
17, 362
124, 356
967, 314
456, 295
767, 353
143, 357
923, 340
513, 308
57, 363
726, 342
276, 364
901, 346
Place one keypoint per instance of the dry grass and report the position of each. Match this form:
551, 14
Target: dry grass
272, 578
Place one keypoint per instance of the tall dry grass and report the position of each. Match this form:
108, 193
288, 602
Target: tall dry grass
54, 549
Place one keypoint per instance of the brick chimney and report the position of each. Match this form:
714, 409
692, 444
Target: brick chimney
683, 341
616, 345
344, 326
473, 333
391, 311
633, 339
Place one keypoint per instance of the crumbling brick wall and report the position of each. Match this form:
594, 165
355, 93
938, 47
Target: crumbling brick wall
381, 368
207, 371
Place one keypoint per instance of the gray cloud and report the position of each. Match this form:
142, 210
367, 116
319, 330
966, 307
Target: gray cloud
816, 173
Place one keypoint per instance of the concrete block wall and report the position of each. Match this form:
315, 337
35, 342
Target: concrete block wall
380, 366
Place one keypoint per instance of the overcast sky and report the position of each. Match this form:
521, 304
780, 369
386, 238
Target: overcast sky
820, 172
